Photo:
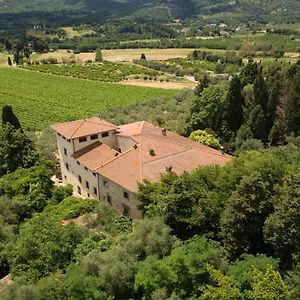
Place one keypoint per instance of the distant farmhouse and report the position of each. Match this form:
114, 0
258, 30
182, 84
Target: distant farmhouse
104, 161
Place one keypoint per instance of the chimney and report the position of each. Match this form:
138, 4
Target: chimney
152, 152
164, 131
222, 150
169, 169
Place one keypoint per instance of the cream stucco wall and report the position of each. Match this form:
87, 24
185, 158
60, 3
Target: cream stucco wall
105, 187
125, 143
109, 141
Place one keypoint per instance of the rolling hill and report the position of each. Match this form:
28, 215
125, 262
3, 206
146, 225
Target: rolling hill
249, 10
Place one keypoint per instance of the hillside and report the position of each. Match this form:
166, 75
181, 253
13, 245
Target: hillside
252, 10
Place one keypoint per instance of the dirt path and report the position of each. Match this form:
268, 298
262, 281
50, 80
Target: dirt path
158, 84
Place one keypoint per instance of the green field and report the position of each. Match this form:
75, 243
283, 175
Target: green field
40, 99
104, 71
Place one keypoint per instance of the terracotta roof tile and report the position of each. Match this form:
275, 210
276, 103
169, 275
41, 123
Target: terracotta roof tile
79, 128
95, 155
154, 153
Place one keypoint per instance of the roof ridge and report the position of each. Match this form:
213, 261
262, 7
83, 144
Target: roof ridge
90, 121
173, 154
182, 145
141, 162
141, 127
77, 128
113, 159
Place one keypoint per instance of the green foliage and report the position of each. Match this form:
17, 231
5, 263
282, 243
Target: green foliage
70, 208
98, 57
44, 246
32, 188
207, 110
189, 204
282, 228
269, 285
16, 150
224, 288
206, 138
255, 176
240, 270
183, 272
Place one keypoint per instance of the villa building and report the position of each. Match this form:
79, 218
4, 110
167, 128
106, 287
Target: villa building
107, 162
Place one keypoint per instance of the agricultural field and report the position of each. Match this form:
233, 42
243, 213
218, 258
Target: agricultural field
103, 71
118, 55
41, 99
71, 33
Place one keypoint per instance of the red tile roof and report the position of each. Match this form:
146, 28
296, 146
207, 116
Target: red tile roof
79, 128
138, 163
153, 153
95, 155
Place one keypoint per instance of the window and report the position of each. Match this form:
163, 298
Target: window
86, 168
109, 199
78, 163
79, 190
79, 178
87, 184
125, 194
105, 134
82, 139
59, 134
120, 150
65, 177
95, 191
65, 151
105, 183
67, 166
89, 195
94, 137
126, 210
94, 174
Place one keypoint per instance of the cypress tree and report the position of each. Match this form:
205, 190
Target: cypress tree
9, 61
292, 107
257, 122
233, 114
8, 116
261, 94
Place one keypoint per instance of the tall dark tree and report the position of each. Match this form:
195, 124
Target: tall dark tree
16, 150
260, 91
17, 57
9, 62
292, 107
249, 73
7, 45
233, 113
273, 101
8, 116
257, 123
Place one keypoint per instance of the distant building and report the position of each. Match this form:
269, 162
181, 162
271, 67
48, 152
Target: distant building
107, 162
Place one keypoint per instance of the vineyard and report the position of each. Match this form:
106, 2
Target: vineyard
104, 71
41, 99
